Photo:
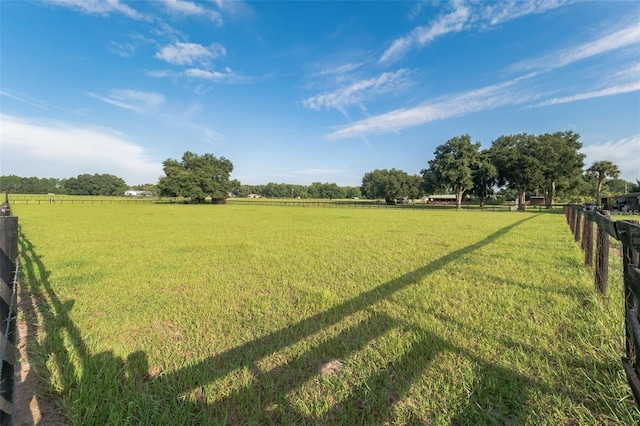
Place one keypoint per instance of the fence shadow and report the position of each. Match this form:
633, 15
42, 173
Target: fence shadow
128, 391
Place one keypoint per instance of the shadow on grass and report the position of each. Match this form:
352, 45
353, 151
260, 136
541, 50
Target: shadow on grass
101, 388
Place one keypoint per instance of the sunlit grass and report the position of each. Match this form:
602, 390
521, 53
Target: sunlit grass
185, 314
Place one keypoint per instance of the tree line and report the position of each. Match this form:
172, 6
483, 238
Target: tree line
548, 165
84, 184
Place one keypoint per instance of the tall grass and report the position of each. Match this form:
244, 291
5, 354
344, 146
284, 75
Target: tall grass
185, 314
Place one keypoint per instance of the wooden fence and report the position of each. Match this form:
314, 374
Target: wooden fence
8, 311
356, 204
627, 232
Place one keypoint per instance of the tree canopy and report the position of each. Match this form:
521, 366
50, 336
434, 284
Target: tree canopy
196, 177
390, 184
96, 184
517, 162
454, 165
29, 185
560, 162
600, 170
484, 177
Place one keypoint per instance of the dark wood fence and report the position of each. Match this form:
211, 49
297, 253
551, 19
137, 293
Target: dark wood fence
627, 232
8, 310
354, 204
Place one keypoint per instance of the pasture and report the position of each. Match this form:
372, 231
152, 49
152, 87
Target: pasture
243, 314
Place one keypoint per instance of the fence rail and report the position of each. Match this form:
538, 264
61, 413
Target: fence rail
8, 312
362, 204
627, 232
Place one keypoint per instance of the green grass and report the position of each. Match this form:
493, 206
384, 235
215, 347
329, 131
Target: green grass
186, 314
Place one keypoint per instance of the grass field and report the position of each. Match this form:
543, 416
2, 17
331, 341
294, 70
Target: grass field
242, 314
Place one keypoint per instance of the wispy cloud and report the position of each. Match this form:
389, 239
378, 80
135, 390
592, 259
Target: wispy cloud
356, 93
228, 76
423, 35
49, 148
494, 13
128, 48
190, 53
25, 99
187, 8
619, 81
619, 39
234, 7
489, 97
133, 100
625, 153
337, 70
609, 91
100, 7
465, 16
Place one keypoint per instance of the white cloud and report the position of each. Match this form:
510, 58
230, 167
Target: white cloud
100, 7
25, 99
188, 8
339, 70
625, 153
228, 76
207, 75
50, 148
498, 12
234, 7
423, 35
449, 106
133, 100
190, 53
619, 39
128, 49
464, 17
125, 50
609, 91
161, 73
355, 93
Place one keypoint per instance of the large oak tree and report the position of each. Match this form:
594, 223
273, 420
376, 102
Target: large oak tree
454, 165
560, 162
196, 177
390, 184
518, 164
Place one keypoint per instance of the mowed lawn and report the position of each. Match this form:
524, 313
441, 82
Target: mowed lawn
181, 314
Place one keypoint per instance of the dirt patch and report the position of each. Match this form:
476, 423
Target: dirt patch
617, 251
33, 406
332, 367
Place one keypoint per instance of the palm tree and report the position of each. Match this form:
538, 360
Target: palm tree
602, 170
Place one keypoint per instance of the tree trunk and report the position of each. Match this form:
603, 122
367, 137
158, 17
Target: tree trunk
550, 195
522, 203
459, 199
600, 180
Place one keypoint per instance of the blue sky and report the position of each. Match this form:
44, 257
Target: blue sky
298, 92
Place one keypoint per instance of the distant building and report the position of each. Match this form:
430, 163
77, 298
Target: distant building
253, 196
627, 202
442, 198
137, 193
536, 200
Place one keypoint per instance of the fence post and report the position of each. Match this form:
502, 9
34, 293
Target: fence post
587, 242
602, 258
8, 309
629, 260
577, 224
